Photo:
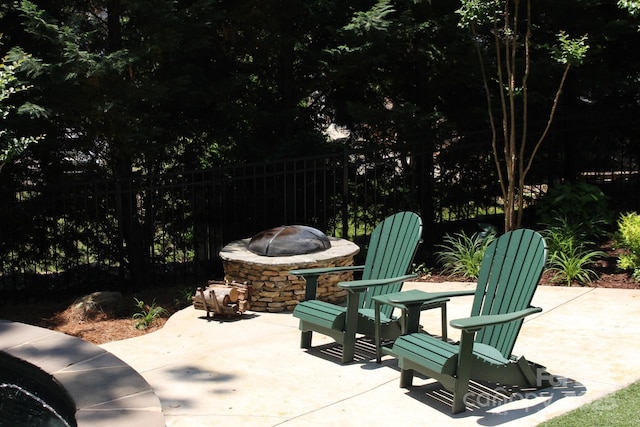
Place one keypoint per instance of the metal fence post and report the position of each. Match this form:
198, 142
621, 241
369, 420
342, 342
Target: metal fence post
345, 194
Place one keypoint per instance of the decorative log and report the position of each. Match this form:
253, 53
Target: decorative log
243, 305
223, 298
222, 295
225, 294
201, 304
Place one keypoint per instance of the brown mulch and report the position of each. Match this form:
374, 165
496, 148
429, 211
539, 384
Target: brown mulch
102, 327
97, 327
606, 280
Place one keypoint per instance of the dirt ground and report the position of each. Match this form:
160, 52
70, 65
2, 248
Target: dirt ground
97, 326
101, 327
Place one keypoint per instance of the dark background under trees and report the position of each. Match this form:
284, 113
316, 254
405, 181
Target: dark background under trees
174, 127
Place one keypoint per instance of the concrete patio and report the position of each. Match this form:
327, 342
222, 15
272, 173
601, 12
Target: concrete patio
251, 371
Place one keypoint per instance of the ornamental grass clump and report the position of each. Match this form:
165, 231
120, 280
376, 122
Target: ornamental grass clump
573, 264
629, 239
147, 315
570, 254
462, 254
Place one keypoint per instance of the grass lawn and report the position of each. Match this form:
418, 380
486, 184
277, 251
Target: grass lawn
621, 408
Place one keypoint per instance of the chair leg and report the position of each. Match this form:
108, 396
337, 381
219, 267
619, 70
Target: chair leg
406, 378
305, 339
350, 327
465, 360
459, 395
443, 321
348, 350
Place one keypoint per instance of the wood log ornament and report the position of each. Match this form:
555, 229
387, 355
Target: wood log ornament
223, 298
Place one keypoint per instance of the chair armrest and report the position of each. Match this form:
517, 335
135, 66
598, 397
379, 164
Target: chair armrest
311, 276
478, 322
361, 285
416, 296
325, 270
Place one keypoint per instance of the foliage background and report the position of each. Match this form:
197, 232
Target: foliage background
155, 113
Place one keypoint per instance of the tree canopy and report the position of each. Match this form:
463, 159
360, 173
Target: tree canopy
148, 86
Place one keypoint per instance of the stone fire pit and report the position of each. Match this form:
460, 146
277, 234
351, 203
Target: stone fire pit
274, 289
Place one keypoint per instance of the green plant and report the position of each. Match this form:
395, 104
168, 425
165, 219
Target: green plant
12, 145
421, 270
462, 254
147, 314
184, 298
581, 206
629, 239
572, 263
563, 234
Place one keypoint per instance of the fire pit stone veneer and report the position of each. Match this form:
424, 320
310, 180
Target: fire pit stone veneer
274, 289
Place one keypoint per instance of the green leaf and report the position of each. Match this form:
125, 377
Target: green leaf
569, 50
372, 19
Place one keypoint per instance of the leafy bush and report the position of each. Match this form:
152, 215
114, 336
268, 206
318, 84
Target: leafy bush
629, 239
147, 314
184, 298
562, 235
583, 206
462, 254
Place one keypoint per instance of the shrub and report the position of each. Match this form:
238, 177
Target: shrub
629, 239
583, 206
561, 235
462, 254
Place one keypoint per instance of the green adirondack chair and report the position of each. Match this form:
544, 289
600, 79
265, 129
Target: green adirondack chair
392, 247
510, 272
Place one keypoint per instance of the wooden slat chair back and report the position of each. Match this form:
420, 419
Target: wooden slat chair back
391, 251
392, 247
509, 275
508, 278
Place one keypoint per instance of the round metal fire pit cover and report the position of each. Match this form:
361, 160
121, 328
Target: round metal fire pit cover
289, 240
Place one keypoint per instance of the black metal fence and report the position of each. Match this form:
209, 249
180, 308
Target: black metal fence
152, 230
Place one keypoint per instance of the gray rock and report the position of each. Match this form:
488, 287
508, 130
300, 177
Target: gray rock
99, 301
